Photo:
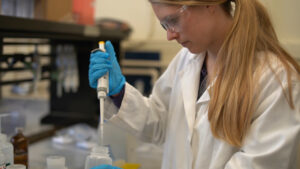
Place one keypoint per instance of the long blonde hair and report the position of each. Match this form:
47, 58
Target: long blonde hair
232, 96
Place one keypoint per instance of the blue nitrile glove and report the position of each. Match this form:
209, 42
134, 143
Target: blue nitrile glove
105, 166
100, 63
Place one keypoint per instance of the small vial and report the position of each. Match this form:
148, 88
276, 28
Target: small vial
98, 156
20, 144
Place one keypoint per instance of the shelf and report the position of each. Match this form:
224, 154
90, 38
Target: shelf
34, 28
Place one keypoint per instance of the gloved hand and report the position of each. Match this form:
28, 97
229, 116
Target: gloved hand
104, 166
100, 63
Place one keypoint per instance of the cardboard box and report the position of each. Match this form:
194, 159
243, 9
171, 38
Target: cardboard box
53, 10
40, 9
76, 11
83, 11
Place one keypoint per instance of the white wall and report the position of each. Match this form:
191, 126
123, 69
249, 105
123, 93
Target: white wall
286, 19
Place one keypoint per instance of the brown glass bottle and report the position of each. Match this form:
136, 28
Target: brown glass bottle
20, 143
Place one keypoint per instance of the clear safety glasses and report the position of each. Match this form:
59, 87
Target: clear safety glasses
172, 22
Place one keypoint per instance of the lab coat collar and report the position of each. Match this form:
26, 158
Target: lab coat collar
205, 96
189, 81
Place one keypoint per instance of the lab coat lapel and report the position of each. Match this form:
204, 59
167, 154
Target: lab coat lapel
205, 96
189, 80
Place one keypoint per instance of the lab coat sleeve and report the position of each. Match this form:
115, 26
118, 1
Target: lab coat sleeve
146, 117
273, 139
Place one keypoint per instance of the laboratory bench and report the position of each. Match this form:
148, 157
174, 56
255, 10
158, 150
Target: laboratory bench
73, 149
41, 136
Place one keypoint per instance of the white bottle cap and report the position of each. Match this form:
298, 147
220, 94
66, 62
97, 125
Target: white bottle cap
100, 149
56, 162
16, 166
19, 129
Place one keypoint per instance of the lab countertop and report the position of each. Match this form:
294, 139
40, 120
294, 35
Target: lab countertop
38, 152
27, 113
75, 155
122, 145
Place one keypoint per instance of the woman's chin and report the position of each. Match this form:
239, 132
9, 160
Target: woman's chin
195, 51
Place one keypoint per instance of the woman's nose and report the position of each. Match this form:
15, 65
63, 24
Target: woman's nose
172, 35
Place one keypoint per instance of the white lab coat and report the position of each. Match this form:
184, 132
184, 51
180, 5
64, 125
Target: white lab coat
172, 115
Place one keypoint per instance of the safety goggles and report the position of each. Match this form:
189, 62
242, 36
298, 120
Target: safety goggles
172, 22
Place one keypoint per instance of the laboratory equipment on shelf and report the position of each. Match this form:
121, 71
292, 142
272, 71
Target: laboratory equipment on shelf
20, 144
98, 156
102, 90
6, 148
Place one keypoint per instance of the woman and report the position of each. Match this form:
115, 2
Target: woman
229, 99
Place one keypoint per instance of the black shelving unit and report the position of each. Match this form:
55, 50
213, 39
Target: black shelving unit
71, 108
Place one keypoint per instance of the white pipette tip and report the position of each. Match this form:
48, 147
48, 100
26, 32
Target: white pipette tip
101, 45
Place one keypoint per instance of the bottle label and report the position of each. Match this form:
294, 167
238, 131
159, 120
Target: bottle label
21, 157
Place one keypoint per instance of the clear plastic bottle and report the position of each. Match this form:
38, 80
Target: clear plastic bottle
98, 156
2, 161
20, 143
6, 148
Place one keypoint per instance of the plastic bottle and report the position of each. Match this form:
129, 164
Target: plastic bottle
98, 156
6, 149
2, 161
20, 144
56, 162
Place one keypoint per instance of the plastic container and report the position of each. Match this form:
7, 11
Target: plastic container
98, 156
56, 162
2, 161
6, 148
20, 143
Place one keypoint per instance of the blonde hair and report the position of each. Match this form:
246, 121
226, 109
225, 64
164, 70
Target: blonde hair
233, 94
